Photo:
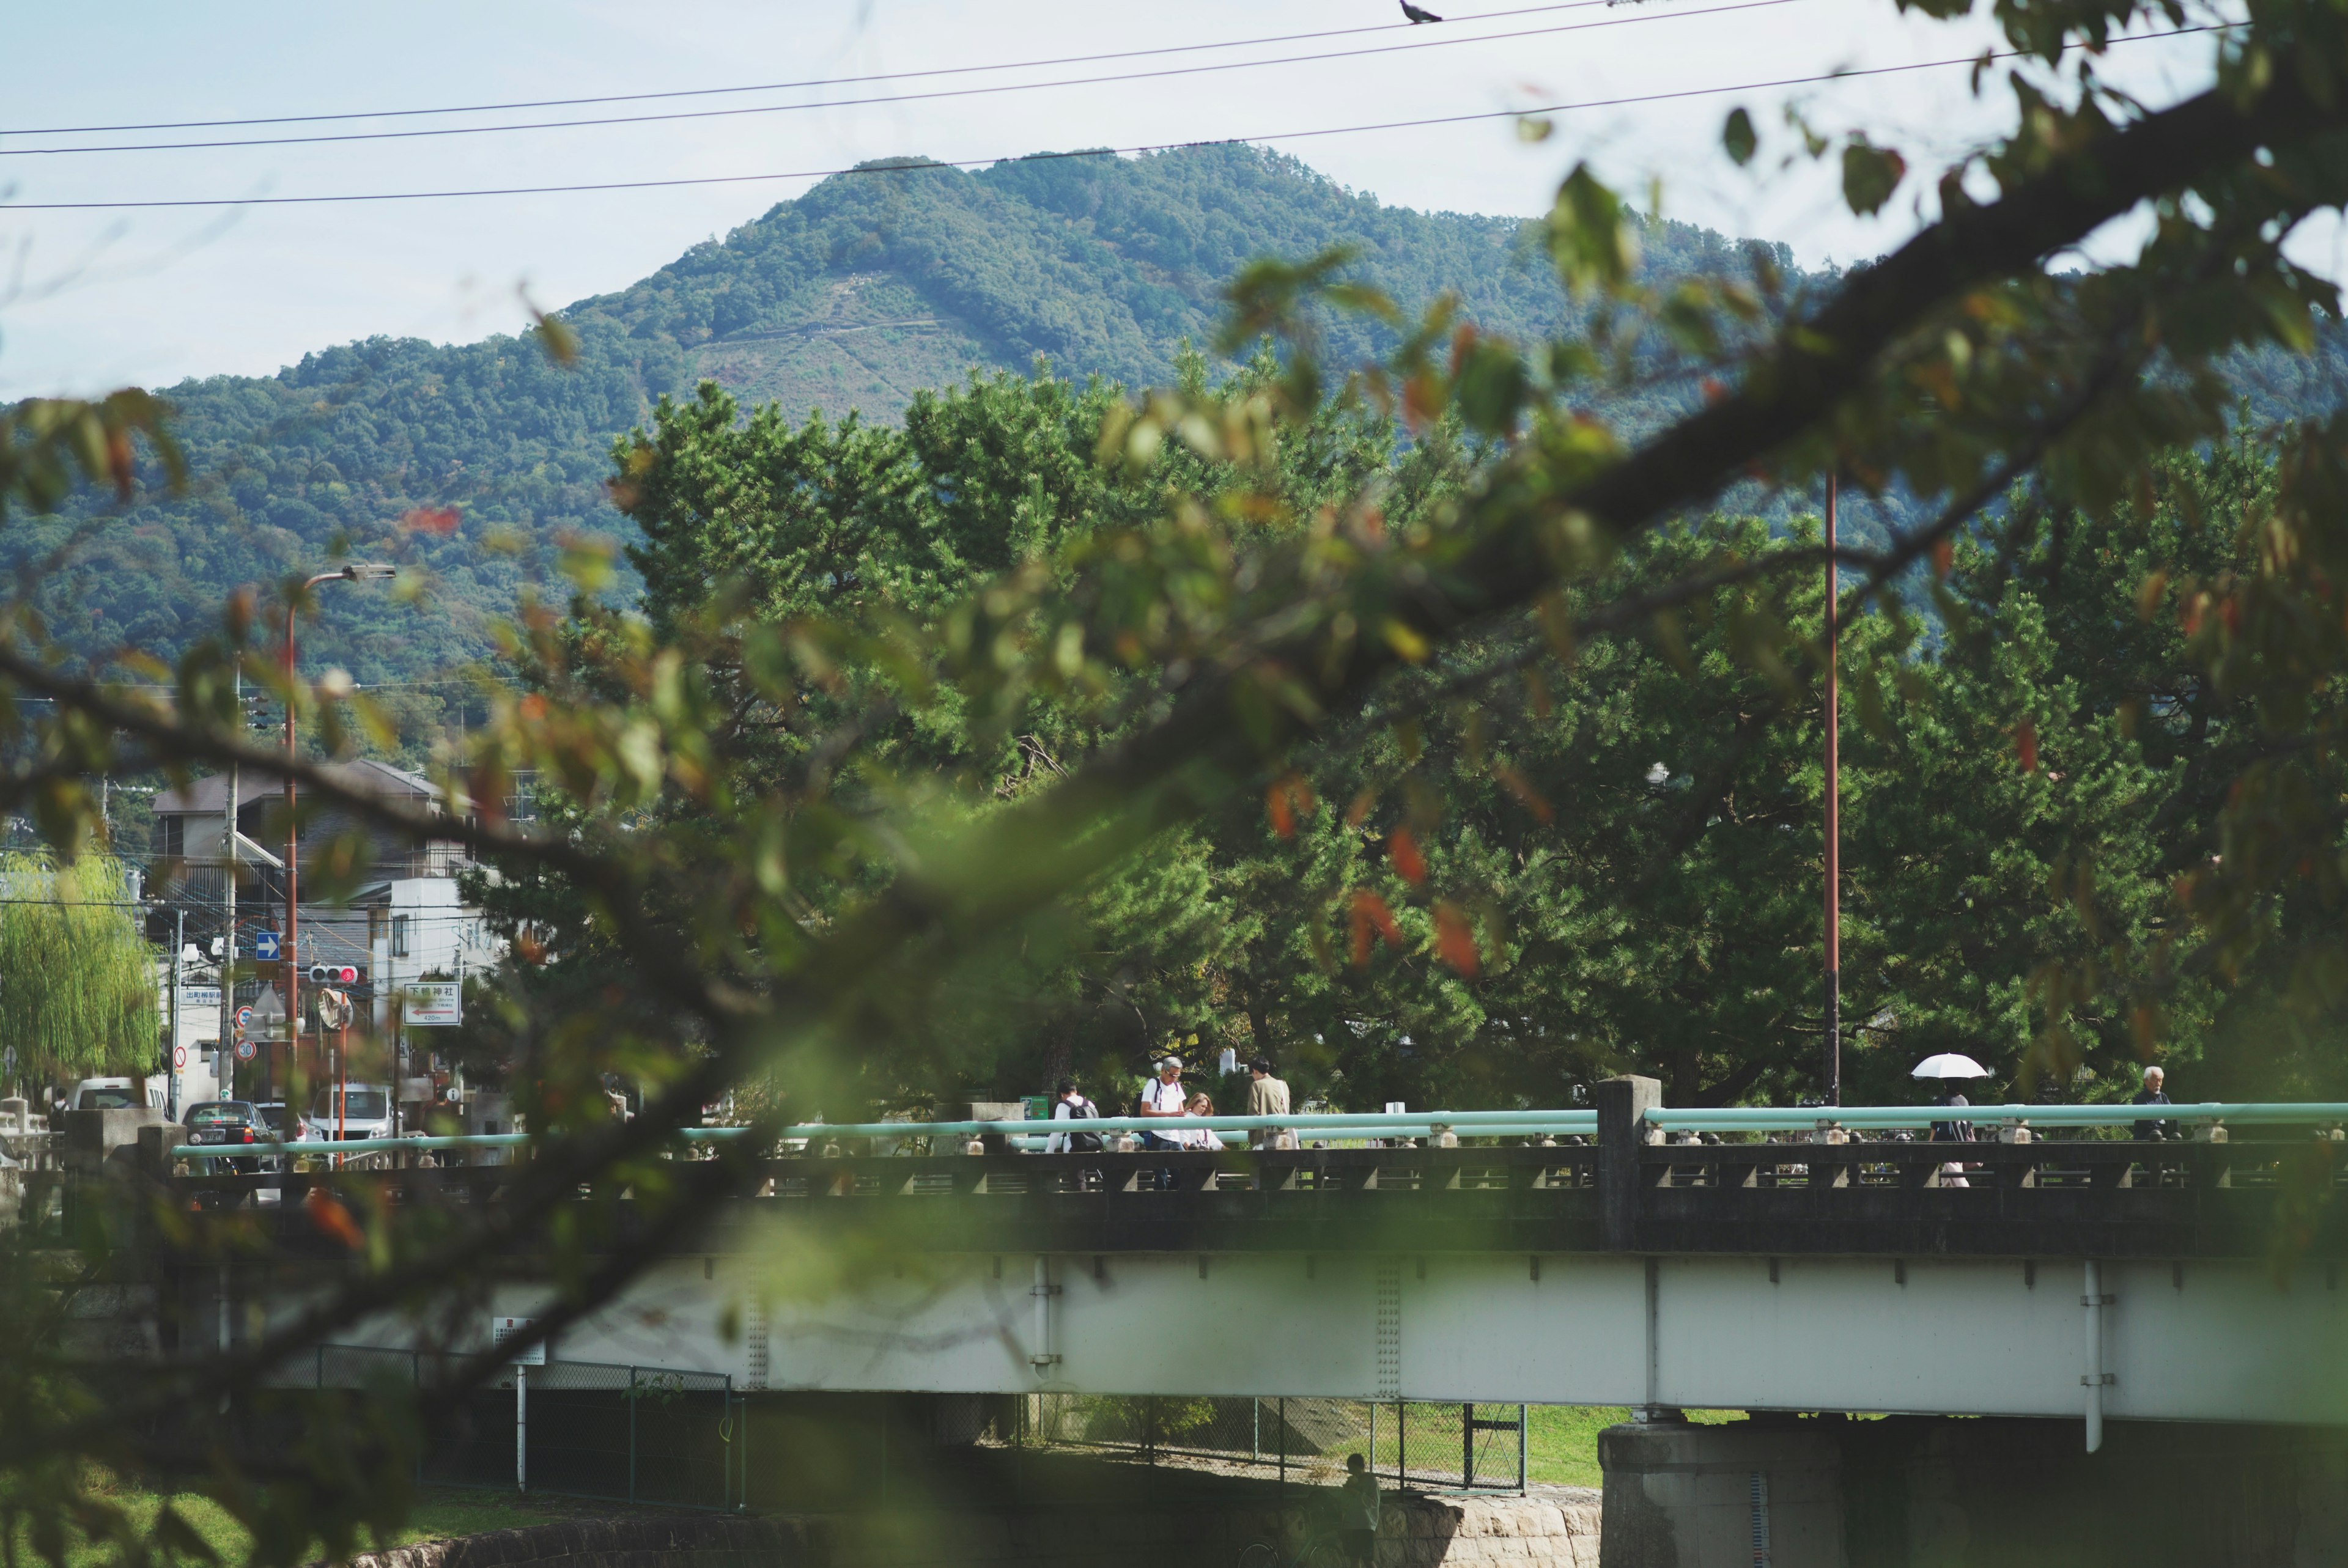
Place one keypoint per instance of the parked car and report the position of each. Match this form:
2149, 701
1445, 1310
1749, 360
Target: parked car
287, 1125
116, 1094
230, 1123
365, 1112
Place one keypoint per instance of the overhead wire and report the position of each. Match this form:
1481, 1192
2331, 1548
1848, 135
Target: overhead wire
1455, 18
918, 165
995, 90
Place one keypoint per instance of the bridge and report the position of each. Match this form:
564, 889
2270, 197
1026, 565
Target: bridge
1775, 1262
2054, 1276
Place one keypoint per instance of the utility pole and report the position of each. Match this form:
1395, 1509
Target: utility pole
172, 1061
1833, 825
358, 571
224, 1047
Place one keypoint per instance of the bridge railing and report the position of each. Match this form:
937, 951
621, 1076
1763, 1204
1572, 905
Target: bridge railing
1443, 1127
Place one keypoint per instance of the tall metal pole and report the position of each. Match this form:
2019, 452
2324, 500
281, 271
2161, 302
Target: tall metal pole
1833, 825
223, 1048
171, 1059
291, 952
369, 571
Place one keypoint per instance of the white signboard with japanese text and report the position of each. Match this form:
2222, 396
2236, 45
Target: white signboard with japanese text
504, 1328
432, 1004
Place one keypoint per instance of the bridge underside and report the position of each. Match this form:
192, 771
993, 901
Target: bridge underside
2204, 1341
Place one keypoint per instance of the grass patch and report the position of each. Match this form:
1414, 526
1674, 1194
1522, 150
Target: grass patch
1561, 1441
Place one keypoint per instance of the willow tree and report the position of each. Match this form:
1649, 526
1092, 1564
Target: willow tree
77, 980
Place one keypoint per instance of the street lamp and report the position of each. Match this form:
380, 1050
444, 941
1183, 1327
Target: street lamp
357, 571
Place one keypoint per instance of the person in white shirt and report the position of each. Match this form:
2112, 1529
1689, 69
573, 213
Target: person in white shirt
1163, 1096
1205, 1137
1072, 1106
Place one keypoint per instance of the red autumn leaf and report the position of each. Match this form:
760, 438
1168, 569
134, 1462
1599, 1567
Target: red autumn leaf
431, 521
117, 460
1462, 341
1517, 784
326, 1211
1289, 798
534, 707
2230, 611
2025, 744
1275, 805
1422, 400
1402, 849
1456, 941
1944, 554
1715, 389
1370, 913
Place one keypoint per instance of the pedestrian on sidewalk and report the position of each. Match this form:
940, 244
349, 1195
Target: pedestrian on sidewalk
1357, 1517
1267, 1096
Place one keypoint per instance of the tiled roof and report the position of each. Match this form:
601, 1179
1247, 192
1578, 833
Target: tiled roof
207, 796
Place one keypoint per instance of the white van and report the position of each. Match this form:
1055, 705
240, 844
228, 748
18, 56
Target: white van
365, 1112
116, 1094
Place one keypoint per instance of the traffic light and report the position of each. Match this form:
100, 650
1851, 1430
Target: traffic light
337, 975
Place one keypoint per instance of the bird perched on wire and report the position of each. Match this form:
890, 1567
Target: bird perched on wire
1418, 14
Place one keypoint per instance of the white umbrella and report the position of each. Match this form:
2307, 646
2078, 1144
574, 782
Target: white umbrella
1948, 1064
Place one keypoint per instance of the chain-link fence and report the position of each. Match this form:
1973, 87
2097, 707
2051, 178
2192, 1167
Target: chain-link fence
633, 1434
1303, 1440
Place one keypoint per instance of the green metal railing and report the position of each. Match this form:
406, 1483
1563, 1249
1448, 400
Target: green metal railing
1327, 1126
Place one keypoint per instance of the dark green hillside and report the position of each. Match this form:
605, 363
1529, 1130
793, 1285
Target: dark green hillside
867, 287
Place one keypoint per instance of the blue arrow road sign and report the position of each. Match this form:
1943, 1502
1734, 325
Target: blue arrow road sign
264, 947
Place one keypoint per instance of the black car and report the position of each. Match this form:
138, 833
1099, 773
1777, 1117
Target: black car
230, 1123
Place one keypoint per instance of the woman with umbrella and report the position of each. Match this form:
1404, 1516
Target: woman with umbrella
1950, 1068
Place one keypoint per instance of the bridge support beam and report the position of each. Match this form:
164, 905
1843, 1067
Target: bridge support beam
1909, 1492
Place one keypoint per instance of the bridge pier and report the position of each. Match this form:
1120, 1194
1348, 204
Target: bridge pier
1920, 1491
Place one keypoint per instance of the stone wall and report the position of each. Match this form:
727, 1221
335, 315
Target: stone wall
1556, 1528
1910, 1491
698, 1541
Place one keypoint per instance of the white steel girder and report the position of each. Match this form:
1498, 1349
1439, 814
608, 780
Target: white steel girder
2206, 1341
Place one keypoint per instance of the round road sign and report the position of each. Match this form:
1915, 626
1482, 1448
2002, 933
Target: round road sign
178, 1059
244, 1051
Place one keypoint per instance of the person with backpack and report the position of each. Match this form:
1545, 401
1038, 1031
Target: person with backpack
1073, 1107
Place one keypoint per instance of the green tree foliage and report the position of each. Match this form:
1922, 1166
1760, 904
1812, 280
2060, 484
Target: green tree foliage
78, 998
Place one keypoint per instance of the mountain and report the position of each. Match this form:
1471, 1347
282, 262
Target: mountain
901, 275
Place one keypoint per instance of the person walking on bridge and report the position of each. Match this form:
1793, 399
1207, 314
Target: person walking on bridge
1267, 1096
1073, 1107
2151, 1094
1163, 1096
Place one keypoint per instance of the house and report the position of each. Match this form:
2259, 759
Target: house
406, 922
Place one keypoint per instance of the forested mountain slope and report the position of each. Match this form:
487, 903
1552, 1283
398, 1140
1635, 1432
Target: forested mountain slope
852, 297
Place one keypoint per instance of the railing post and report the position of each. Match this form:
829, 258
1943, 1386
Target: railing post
1622, 1106
1468, 1447
632, 1434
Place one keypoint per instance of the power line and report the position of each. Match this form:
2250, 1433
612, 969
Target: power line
785, 87
913, 167
1000, 88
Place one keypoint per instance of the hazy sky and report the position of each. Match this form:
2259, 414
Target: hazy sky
104, 298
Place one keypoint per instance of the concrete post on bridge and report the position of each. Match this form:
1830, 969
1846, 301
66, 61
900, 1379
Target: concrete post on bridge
1622, 1106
